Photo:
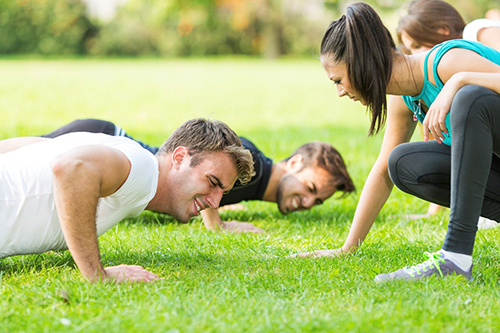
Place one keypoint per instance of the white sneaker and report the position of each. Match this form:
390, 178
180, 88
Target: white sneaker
484, 223
436, 265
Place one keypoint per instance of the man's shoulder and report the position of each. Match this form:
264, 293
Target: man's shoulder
142, 181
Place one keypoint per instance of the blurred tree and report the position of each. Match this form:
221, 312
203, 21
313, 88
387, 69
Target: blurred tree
205, 27
44, 27
469, 9
474, 9
271, 17
270, 28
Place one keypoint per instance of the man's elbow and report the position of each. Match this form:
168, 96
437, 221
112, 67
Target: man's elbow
64, 166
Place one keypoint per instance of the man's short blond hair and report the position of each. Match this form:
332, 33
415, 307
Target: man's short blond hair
202, 136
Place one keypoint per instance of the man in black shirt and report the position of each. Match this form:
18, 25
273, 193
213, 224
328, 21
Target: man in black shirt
309, 176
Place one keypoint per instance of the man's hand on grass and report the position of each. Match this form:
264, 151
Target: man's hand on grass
241, 227
213, 221
129, 273
233, 207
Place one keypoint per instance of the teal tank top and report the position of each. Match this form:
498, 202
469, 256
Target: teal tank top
429, 91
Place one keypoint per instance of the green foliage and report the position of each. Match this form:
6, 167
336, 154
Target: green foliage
227, 282
43, 26
469, 9
171, 28
178, 28
157, 28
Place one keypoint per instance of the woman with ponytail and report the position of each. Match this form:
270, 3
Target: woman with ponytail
453, 88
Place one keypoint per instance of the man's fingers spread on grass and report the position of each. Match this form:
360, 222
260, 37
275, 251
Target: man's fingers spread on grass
130, 273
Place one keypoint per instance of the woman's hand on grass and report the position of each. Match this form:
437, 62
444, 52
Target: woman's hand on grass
319, 254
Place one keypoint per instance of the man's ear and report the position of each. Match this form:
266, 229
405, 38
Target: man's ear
178, 156
294, 163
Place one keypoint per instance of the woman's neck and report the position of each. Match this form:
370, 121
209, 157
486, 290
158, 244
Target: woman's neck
407, 76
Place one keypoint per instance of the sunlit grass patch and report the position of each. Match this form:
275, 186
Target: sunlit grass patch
221, 282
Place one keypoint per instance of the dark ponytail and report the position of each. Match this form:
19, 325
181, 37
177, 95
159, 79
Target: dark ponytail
361, 41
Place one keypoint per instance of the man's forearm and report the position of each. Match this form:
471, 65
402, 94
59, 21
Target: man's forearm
81, 177
76, 192
211, 219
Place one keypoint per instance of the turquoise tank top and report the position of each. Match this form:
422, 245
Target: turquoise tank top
429, 91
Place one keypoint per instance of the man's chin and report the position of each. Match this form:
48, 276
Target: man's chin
182, 219
282, 210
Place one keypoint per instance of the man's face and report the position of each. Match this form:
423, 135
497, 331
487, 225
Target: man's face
192, 189
303, 189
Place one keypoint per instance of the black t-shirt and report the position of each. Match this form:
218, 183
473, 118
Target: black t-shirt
253, 190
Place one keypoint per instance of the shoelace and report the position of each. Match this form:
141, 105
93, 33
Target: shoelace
434, 259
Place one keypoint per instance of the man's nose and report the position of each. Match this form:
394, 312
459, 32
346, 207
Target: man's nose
215, 197
308, 201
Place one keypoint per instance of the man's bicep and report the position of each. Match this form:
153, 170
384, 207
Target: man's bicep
105, 165
115, 170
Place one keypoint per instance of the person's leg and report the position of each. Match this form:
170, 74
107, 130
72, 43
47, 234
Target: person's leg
118, 131
96, 126
423, 169
152, 149
475, 127
84, 125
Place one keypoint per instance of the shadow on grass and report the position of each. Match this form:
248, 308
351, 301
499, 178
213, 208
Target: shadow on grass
36, 262
153, 218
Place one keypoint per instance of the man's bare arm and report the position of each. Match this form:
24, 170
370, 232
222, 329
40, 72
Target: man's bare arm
9, 145
81, 177
212, 221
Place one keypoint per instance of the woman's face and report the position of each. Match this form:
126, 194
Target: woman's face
337, 72
413, 45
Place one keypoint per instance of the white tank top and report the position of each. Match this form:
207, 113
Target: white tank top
28, 216
471, 29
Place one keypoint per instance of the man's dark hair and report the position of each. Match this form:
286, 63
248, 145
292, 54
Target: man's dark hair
325, 156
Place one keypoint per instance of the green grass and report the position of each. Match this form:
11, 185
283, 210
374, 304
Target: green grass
223, 282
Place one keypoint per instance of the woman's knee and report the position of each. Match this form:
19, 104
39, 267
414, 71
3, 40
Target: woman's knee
469, 93
410, 163
472, 100
398, 167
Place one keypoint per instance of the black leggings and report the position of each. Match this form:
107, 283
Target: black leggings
465, 176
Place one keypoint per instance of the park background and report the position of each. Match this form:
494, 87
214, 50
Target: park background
150, 65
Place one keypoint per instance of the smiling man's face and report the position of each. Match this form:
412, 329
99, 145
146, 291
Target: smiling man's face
304, 189
193, 189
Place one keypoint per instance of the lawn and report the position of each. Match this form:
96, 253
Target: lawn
230, 282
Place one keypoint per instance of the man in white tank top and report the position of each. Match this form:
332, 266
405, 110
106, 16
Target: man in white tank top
65, 192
